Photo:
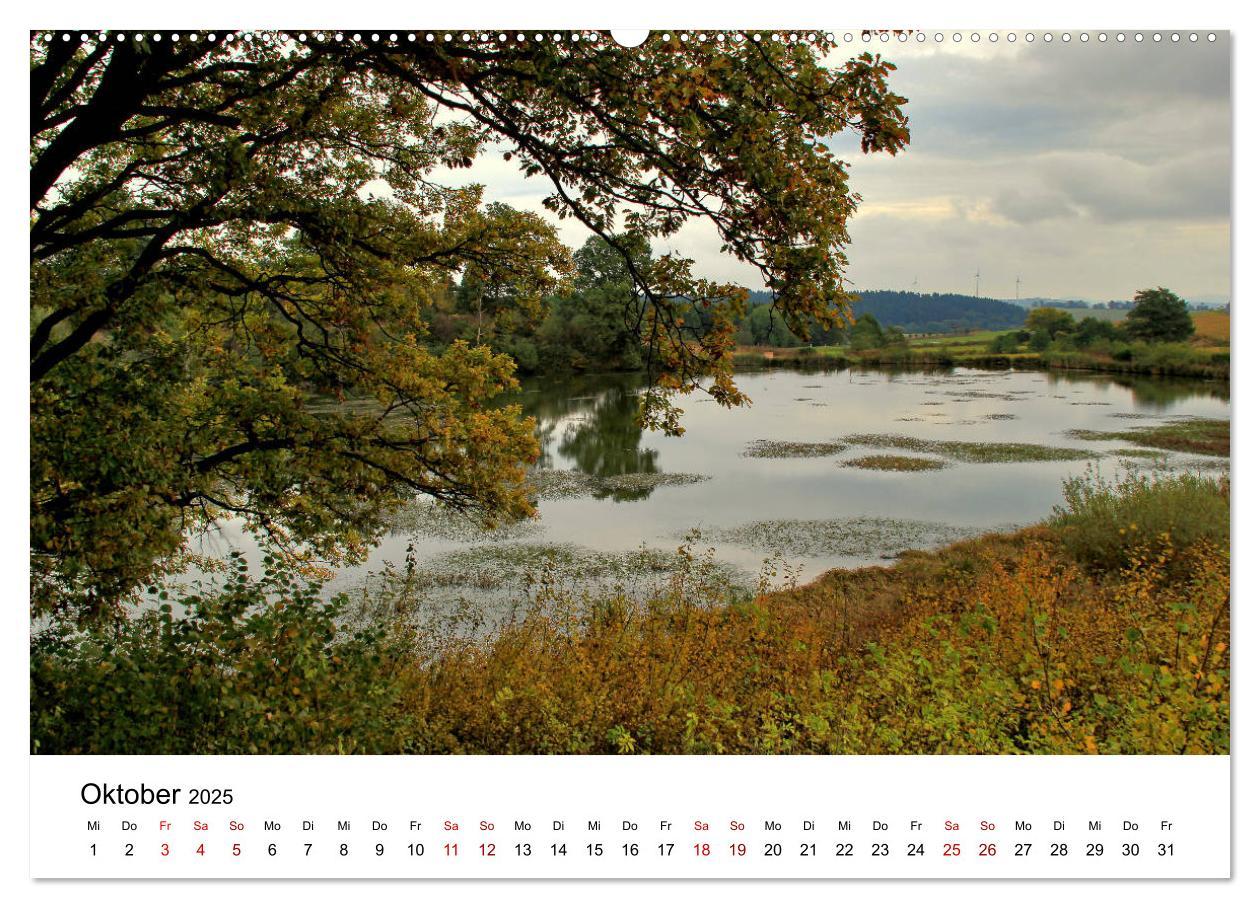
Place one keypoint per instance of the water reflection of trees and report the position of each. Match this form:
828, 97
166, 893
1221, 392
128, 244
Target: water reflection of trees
1156, 392
590, 423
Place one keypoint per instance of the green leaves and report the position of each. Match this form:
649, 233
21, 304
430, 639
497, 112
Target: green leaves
244, 667
1159, 315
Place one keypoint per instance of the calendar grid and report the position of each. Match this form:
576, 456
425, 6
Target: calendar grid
595, 817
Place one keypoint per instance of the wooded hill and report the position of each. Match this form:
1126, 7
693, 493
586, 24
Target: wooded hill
930, 313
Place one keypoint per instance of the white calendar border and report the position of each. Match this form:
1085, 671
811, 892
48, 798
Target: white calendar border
15, 457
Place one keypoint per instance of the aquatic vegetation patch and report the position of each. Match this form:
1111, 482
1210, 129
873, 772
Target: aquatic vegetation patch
468, 593
984, 395
855, 537
973, 451
1201, 465
896, 462
554, 485
995, 417
630, 483
508, 562
437, 521
765, 448
1150, 453
1185, 435
1160, 463
513, 567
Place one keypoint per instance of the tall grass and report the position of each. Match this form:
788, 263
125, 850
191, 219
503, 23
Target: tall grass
1106, 524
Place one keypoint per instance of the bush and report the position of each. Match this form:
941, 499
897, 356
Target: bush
1108, 525
1005, 343
253, 666
524, 351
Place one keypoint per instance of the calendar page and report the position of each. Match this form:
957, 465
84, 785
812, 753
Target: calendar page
676, 453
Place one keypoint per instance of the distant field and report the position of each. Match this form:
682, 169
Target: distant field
973, 338
1106, 315
1212, 326
1209, 326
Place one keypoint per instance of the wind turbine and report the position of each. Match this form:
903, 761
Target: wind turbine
977, 282
1017, 282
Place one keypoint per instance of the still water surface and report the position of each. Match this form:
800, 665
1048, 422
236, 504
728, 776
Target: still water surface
587, 425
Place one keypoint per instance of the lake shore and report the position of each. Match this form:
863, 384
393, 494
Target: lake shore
1211, 366
1102, 630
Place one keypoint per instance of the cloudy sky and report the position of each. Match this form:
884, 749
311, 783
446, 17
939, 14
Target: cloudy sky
1087, 170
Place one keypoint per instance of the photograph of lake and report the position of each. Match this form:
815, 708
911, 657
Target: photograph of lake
737, 392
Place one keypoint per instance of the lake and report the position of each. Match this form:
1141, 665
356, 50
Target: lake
617, 501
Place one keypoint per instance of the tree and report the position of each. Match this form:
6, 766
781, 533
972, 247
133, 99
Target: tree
895, 337
1090, 331
866, 334
1010, 341
762, 326
1159, 315
600, 264
1049, 319
228, 235
496, 287
592, 327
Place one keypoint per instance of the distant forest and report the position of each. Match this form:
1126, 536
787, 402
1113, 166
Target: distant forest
913, 313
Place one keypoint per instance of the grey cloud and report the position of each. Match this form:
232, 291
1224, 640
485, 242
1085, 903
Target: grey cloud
1191, 187
1042, 97
1025, 206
